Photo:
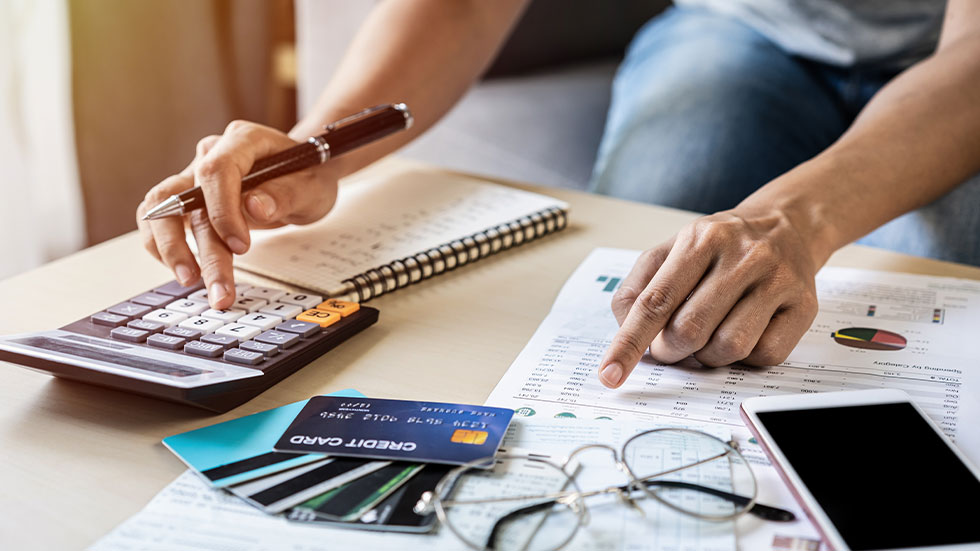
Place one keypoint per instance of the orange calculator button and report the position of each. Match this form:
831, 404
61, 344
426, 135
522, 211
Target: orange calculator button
322, 317
342, 307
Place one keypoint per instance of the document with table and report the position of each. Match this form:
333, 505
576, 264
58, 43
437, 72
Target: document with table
874, 330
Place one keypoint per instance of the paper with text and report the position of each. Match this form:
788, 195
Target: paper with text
874, 330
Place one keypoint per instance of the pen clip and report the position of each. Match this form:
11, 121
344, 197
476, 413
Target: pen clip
355, 117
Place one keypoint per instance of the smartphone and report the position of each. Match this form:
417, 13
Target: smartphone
871, 471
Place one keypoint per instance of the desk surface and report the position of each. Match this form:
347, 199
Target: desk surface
76, 460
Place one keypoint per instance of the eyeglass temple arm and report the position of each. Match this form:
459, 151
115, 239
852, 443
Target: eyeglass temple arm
765, 512
513, 515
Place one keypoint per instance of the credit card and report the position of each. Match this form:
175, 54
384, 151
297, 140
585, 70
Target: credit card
396, 513
352, 500
278, 492
241, 449
420, 432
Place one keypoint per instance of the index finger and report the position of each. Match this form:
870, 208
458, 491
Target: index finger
650, 312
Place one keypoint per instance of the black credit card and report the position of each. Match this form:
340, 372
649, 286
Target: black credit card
352, 500
396, 513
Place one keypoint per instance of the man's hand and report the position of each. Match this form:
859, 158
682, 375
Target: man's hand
223, 228
733, 286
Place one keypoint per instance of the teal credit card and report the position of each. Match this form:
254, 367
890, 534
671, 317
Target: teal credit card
241, 449
372, 428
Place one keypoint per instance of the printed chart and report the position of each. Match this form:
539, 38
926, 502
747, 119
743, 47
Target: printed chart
869, 339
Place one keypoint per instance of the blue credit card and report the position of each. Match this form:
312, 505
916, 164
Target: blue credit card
241, 449
423, 432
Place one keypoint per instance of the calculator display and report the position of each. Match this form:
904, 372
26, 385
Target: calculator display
881, 474
66, 346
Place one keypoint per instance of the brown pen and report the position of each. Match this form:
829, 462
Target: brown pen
340, 137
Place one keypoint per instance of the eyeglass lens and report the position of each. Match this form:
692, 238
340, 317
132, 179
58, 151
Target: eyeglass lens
692, 472
502, 509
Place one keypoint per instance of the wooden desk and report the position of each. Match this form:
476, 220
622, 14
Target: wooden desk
76, 460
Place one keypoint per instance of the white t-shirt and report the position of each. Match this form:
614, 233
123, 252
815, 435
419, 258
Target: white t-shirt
888, 33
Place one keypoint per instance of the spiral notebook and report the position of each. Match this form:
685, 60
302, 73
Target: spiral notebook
388, 232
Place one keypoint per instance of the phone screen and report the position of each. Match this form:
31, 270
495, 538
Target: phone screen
881, 473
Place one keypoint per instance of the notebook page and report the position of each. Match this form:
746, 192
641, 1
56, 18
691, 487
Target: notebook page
381, 219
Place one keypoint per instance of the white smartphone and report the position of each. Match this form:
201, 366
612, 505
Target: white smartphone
871, 471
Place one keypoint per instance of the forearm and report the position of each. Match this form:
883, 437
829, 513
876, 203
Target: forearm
425, 53
917, 139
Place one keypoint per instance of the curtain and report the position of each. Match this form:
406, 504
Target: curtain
41, 212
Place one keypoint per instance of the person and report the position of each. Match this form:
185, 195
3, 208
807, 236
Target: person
802, 125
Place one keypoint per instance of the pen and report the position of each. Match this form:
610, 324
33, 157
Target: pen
340, 137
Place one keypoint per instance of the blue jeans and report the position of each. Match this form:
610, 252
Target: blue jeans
705, 110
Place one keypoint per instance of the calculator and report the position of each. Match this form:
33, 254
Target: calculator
169, 343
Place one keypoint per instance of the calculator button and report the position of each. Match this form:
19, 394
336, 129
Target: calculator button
183, 332
278, 338
260, 320
342, 307
201, 295
166, 317
225, 341
283, 310
250, 304
238, 331
241, 288
301, 328
169, 342
152, 299
177, 290
129, 334
321, 317
189, 307
306, 301
266, 293
148, 326
224, 316
269, 350
199, 348
111, 320
202, 324
129, 309
246, 357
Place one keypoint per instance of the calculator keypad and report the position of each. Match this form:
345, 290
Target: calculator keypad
262, 323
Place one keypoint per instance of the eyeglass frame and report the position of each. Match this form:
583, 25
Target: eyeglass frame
575, 501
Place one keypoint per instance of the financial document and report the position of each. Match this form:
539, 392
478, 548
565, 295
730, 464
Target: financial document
190, 515
873, 330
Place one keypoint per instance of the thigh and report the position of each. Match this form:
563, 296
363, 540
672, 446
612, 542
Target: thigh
705, 110
946, 229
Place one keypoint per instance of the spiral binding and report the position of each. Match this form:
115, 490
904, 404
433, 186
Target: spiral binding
449, 256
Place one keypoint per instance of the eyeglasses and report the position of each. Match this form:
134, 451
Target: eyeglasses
527, 502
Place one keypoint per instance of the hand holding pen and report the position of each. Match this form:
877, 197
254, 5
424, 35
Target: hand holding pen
250, 177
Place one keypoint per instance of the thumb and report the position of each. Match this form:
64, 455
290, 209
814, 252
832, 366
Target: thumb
296, 199
262, 207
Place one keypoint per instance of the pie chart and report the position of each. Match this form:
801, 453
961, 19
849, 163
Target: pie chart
869, 339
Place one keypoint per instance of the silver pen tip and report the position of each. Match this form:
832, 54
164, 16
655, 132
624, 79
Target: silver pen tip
171, 206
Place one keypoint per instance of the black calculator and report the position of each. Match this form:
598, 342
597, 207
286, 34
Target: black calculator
169, 343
